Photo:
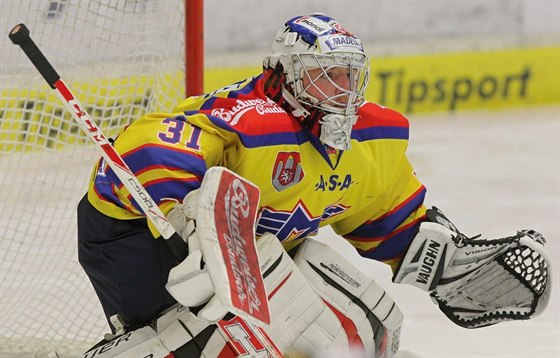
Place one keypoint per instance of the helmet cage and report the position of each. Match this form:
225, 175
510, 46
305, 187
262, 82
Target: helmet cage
345, 101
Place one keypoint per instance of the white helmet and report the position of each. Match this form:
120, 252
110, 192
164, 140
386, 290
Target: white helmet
308, 51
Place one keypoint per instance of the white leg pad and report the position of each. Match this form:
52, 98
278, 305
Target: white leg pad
323, 305
293, 303
371, 317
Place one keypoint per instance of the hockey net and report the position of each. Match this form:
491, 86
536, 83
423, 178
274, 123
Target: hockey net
121, 59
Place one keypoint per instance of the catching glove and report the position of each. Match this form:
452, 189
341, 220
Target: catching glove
476, 281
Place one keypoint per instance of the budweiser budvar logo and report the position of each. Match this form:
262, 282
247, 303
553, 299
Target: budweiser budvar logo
237, 208
233, 115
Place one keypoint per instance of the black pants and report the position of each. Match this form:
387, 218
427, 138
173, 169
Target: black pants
127, 267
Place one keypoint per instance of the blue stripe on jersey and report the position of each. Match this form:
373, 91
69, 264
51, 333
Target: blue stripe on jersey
388, 223
208, 104
372, 133
393, 247
164, 188
148, 156
104, 188
168, 189
247, 89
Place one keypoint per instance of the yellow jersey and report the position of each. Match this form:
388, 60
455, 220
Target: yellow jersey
369, 194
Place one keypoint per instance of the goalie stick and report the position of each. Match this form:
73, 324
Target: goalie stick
20, 36
248, 318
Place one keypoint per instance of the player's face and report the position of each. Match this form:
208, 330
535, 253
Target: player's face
330, 86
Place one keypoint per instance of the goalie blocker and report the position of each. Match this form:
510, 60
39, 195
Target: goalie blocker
476, 281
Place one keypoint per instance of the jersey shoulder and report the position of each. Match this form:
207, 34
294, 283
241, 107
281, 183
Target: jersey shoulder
244, 109
378, 122
373, 114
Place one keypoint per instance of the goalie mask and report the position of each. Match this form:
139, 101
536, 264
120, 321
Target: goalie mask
318, 72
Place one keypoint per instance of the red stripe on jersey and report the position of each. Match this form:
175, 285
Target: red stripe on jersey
164, 147
383, 238
162, 180
157, 181
374, 115
400, 206
164, 167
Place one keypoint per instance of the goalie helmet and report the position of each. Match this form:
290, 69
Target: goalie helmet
318, 72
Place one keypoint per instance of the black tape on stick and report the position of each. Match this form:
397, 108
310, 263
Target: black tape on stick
20, 36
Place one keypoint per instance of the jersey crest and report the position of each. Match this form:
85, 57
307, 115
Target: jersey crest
287, 170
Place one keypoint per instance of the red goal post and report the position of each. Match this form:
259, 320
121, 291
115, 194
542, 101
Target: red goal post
194, 49
122, 59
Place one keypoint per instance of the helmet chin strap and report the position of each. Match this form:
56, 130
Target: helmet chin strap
335, 128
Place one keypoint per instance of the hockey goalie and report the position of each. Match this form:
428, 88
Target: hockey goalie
318, 154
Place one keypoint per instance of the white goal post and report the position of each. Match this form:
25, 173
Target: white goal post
122, 59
